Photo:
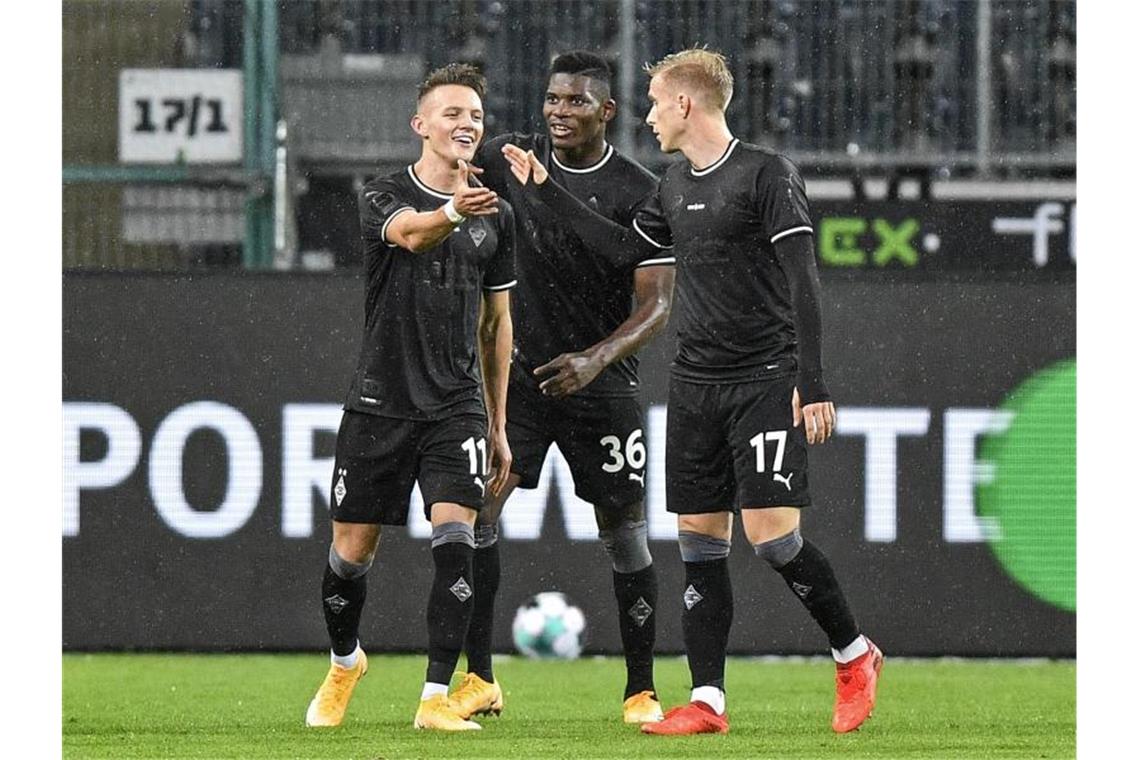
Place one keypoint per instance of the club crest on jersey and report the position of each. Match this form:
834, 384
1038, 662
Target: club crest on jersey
477, 233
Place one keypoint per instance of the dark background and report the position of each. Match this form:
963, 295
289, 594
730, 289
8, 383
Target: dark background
150, 343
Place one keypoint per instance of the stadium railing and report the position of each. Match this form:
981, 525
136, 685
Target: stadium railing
937, 89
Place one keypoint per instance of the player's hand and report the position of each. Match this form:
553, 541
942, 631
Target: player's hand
499, 464
818, 418
473, 201
524, 164
568, 373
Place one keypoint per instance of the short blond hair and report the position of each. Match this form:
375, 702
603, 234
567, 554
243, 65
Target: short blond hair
703, 70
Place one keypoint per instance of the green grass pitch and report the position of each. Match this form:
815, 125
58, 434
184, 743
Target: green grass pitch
253, 706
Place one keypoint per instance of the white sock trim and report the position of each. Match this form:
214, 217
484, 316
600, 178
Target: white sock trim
711, 696
852, 651
431, 689
348, 660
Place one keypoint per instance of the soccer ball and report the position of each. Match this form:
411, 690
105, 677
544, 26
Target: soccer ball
549, 626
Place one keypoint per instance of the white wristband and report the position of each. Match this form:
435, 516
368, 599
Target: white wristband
452, 215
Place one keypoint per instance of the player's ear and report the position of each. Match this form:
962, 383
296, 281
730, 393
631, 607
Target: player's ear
609, 109
419, 126
684, 104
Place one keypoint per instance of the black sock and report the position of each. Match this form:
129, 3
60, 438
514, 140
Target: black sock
706, 616
812, 580
637, 617
486, 570
342, 601
449, 608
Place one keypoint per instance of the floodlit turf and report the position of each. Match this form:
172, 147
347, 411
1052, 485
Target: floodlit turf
253, 706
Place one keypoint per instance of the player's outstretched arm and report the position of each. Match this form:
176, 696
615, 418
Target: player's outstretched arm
496, 336
811, 402
420, 231
620, 245
569, 373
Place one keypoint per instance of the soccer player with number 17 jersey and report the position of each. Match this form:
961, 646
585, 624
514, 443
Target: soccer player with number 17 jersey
747, 393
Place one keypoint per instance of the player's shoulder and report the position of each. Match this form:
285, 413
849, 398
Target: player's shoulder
398, 180
386, 193
768, 161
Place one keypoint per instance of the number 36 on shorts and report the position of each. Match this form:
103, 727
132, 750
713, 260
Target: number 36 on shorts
632, 453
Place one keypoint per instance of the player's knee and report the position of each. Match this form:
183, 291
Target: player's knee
780, 551
345, 569
628, 546
698, 547
452, 533
486, 536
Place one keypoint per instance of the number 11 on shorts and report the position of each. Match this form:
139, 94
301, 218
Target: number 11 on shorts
477, 457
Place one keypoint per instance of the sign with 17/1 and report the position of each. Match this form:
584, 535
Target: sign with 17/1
188, 116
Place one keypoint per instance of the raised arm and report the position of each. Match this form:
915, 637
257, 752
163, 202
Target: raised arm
653, 292
419, 231
620, 245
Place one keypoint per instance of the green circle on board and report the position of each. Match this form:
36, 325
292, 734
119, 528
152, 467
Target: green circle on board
1032, 498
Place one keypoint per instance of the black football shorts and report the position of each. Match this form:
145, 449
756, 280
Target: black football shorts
732, 447
378, 459
601, 438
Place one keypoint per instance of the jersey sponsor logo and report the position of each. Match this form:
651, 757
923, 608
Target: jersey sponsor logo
786, 481
638, 477
801, 590
461, 589
695, 207
640, 611
340, 491
482, 486
691, 597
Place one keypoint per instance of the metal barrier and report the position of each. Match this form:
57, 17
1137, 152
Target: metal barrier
937, 88
850, 84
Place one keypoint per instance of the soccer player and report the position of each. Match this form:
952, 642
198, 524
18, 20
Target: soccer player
574, 376
428, 399
747, 394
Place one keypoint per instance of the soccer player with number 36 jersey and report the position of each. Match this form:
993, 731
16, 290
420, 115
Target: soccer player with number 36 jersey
581, 314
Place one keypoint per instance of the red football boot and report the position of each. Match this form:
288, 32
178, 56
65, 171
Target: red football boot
693, 718
855, 684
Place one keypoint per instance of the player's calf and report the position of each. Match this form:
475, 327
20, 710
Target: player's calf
635, 588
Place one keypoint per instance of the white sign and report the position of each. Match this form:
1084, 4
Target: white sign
306, 477
188, 116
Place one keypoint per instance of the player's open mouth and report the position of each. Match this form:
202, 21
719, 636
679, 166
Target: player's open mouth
465, 140
560, 130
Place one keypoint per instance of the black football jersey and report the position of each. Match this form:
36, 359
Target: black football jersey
570, 297
732, 307
419, 358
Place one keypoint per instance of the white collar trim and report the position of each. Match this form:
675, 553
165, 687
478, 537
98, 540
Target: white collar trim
425, 188
716, 165
601, 162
